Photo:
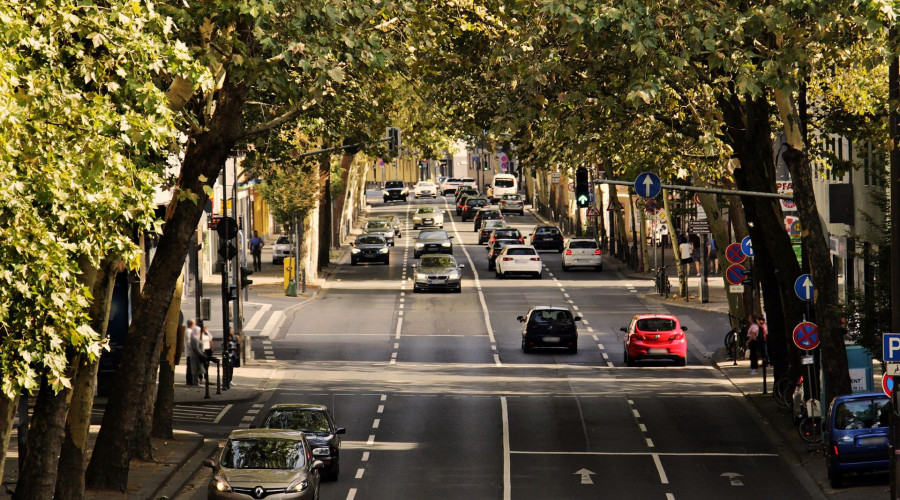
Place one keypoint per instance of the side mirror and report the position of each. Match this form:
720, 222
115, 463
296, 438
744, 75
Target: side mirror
210, 463
340, 430
577, 318
623, 329
683, 328
352, 244
451, 237
462, 266
414, 265
443, 211
317, 464
521, 319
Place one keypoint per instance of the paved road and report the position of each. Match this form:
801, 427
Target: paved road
440, 402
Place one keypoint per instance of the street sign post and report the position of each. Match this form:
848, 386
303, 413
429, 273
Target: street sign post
803, 287
734, 254
699, 226
891, 347
592, 212
554, 177
647, 185
806, 335
735, 274
747, 246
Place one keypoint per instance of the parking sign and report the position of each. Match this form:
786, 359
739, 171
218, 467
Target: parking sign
891, 347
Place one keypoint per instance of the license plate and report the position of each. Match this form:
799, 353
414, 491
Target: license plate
659, 351
551, 339
873, 441
438, 282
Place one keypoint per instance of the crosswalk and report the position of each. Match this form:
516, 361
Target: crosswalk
193, 414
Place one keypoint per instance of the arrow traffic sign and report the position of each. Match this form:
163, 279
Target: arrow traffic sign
806, 335
585, 476
734, 254
735, 274
647, 185
747, 246
803, 287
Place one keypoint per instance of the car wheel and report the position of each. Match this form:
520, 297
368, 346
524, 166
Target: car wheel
392, 242
566, 268
525, 348
600, 267
521, 212
415, 227
538, 275
628, 360
385, 200
490, 267
573, 349
353, 262
333, 472
387, 261
458, 289
681, 362
559, 250
497, 274
837, 479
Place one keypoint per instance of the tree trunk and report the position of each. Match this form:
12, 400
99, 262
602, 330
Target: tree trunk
204, 157
674, 240
38, 478
73, 454
7, 415
325, 212
815, 240
165, 393
347, 192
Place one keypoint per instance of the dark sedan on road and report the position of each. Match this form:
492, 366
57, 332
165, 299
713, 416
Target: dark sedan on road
433, 242
370, 247
471, 205
547, 238
486, 214
260, 463
316, 423
494, 249
394, 191
549, 327
437, 272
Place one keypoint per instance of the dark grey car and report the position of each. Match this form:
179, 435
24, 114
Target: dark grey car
433, 242
437, 272
315, 422
370, 247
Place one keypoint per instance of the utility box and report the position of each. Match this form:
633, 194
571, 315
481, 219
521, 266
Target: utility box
859, 361
205, 308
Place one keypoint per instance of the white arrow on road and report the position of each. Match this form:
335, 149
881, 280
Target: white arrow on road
807, 284
733, 477
648, 183
585, 476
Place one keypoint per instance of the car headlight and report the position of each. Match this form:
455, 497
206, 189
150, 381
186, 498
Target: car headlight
221, 484
454, 276
299, 485
355, 250
417, 219
445, 244
384, 192
420, 245
321, 451
383, 250
421, 277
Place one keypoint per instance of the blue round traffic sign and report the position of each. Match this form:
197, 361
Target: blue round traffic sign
803, 287
747, 246
735, 274
734, 254
647, 185
806, 335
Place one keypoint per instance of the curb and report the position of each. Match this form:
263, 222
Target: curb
149, 490
175, 483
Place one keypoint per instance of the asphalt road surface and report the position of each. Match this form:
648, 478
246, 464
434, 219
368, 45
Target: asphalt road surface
440, 402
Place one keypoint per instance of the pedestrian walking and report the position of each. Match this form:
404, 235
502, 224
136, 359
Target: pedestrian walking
753, 339
206, 346
696, 256
762, 340
684, 249
713, 254
188, 331
197, 357
256, 244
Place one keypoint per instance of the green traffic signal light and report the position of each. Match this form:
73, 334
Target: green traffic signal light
582, 188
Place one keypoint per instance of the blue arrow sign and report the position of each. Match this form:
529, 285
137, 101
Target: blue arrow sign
803, 287
647, 185
747, 246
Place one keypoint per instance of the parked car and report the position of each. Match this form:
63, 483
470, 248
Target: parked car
425, 188
281, 249
315, 422
395, 221
370, 247
519, 259
547, 238
549, 327
494, 249
488, 227
857, 435
655, 336
257, 463
382, 227
437, 272
512, 203
471, 205
428, 217
433, 242
486, 214
394, 191
582, 252
506, 233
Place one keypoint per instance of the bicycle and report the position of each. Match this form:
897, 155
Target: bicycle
784, 389
663, 287
810, 426
736, 341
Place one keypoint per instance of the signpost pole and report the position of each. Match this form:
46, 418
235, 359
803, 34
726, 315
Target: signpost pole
704, 286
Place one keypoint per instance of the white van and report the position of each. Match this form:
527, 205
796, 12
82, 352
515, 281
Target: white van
503, 184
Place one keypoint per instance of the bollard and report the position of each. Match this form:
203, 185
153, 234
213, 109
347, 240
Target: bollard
218, 385
206, 383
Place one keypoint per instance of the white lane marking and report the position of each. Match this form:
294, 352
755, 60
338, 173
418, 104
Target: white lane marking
636, 414
252, 411
507, 480
376, 423
351, 494
566, 295
599, 345
365, 457
659, 468
643, 454
670, 496
371, 440
257, 316
584, 322
631, 402
484, 307
574, 307
222, 414
380, 408
384, 397
274, 321
396, 345
359, 473
605, 356
399, 324
649, 442
643, 428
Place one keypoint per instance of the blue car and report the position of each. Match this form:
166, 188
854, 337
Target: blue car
857, 435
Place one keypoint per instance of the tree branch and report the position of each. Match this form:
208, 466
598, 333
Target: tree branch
276, 122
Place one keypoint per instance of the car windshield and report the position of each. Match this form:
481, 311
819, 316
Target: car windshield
493, 224
282, 240
499, 244
377, 225
426, 184
298, 420
477, 203
547, 230
512, 197
437, 262
433, 235
370, 239
520, 251
862, 414
506, 233
655, 325
583, 244
504, 183
554, 316
490, 213
425, 210
393, 184
263, 453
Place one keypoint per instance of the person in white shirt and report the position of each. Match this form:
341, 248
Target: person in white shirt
684, 249
206, 346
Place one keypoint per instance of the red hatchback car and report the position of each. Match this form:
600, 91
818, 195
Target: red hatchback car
655, 336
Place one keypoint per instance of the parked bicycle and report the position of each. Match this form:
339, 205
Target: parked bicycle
785, 388
663, 287
810, 426
736, 340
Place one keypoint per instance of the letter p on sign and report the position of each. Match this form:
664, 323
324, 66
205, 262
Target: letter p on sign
891, 347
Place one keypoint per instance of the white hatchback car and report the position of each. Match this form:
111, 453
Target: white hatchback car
428, 217
519, 259
425, 188
582, 252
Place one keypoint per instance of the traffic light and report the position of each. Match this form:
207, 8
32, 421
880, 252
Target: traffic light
244, 280
393, 134
582, 188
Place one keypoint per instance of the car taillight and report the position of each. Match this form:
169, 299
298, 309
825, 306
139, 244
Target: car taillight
568, 252
835, 448
677, 336
493, 239
507, 259
521, 240
598, 252
538, 259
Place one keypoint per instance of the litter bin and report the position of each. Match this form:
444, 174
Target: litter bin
859, 360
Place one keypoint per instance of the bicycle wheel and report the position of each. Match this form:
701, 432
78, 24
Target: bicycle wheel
810, 429
783, 390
